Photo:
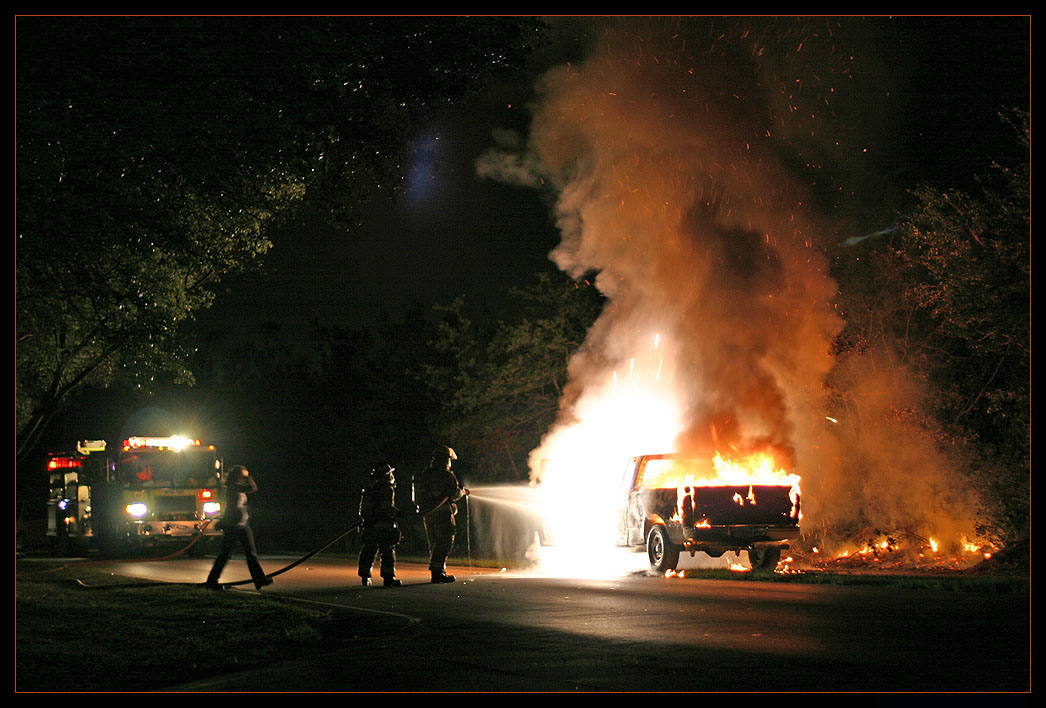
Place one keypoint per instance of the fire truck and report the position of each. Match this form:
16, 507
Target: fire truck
150, 492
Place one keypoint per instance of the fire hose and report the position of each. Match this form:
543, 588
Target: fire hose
181, 551
286, 568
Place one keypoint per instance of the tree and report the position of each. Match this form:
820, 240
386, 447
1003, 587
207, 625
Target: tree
947, 299
154, 153
504, 383
967, 263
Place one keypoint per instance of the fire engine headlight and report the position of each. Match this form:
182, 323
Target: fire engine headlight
211, 508
137, 510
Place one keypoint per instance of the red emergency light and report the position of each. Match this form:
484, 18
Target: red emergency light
60, 463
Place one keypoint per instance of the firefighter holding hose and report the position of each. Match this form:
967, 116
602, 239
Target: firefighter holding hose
438, 493
381, 532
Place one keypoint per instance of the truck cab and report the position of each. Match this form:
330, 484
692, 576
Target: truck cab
674, 503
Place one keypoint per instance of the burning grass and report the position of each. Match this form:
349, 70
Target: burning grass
1005, 572
884, 559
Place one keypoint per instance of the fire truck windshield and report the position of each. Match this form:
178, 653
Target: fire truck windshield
191, 467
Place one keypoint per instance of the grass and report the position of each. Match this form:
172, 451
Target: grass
138, 636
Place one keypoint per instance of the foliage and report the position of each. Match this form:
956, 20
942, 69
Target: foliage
153, 153
504, 385
948, 298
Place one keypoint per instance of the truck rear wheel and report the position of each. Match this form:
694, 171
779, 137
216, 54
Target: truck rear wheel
661, 552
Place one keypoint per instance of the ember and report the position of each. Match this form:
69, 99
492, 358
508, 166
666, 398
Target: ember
914, 553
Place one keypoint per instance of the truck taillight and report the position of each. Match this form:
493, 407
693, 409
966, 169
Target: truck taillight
59, 463
205, 494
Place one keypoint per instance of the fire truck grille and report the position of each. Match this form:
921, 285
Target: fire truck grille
176, 505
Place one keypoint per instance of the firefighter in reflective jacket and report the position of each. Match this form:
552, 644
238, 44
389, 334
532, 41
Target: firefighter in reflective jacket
380, 531
439, 490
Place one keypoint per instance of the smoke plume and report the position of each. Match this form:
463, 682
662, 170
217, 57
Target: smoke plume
674, 154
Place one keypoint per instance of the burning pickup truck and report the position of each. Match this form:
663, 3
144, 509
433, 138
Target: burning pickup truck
677, 503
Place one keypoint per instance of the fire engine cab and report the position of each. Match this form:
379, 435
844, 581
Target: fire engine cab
153, 491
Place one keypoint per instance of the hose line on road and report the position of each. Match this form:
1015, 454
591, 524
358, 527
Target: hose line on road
296, 563
180, 552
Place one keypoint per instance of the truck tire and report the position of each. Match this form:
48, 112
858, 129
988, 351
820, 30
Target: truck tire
764, 558
661, 552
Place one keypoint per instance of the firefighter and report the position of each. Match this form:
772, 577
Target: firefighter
439, 492
378, 515
235, 528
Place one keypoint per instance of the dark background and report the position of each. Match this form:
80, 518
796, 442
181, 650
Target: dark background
932, 88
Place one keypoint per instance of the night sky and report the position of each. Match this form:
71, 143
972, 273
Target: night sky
931, 89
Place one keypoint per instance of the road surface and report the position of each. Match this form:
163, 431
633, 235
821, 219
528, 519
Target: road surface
495, 631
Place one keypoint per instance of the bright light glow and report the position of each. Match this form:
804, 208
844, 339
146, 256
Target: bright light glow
717, 470
582, 466
175, 442
137, 510
211, 507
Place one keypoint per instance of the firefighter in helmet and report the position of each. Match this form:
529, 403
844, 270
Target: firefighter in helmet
236, 528
381, 532
438, 493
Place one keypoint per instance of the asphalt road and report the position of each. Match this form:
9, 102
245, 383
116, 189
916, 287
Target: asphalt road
494, 631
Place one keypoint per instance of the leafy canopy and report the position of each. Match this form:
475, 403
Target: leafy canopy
154, 153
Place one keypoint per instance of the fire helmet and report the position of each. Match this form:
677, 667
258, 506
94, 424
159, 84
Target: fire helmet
443, 452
